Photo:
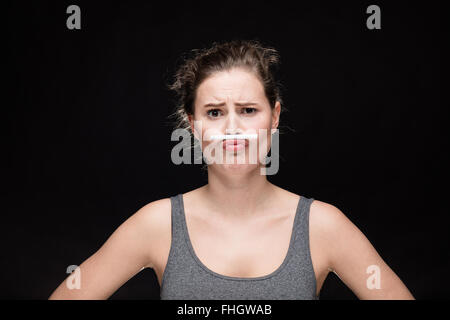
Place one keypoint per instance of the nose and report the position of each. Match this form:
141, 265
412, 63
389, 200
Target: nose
232, 124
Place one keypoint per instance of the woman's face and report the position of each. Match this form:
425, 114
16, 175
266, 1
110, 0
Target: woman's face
234, 102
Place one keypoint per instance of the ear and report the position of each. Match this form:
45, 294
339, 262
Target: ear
276, 115
191, 123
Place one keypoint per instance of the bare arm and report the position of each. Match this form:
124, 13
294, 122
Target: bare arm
125, 253
353, 258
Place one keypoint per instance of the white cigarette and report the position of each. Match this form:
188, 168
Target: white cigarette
233, 136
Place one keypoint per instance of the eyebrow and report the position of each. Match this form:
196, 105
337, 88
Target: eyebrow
239, 104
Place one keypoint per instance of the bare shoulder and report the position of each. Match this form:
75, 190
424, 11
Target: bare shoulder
329, 228
155, 213
326, 217
155, 220
336, 235
323, 216
347, 252
329, 222
129, 249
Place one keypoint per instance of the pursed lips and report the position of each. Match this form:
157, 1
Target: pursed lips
231, 142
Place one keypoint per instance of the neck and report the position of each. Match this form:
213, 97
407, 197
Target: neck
237, 192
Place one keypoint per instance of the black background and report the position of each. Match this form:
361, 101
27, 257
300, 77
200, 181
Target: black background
88, 138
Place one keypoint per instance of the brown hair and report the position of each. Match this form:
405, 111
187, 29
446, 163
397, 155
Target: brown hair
250, 54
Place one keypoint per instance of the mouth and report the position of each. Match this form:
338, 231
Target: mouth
235, 144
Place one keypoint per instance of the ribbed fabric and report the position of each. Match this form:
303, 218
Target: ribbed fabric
186, 277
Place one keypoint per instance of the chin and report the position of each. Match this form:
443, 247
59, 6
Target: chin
237, 168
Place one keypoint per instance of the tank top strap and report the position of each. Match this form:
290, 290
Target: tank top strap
178, 236
301, 228
304, 204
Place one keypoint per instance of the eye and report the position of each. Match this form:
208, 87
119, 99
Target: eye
212, 110
251, 109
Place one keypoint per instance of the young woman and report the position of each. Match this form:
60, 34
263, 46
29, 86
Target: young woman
239, 236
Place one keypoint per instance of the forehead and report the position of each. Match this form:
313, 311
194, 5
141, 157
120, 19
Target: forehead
236, 84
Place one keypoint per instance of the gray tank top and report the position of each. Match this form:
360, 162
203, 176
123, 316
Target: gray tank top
187, 278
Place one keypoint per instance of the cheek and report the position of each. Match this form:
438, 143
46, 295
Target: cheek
208, 129
262, 121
